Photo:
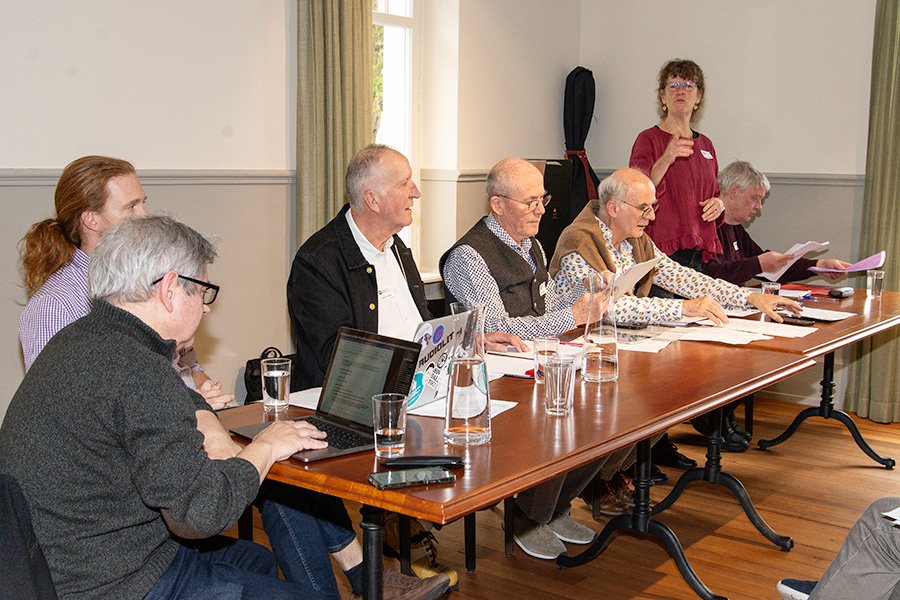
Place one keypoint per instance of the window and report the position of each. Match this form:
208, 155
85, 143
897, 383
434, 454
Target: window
393, 37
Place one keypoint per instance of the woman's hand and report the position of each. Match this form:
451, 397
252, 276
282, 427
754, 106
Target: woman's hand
712, 208
679, 146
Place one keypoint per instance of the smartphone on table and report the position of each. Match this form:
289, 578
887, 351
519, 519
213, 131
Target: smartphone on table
386, 480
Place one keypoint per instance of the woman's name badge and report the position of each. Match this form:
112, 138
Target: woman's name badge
543, 289
706, 154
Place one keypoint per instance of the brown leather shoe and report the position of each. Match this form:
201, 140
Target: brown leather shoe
398, 586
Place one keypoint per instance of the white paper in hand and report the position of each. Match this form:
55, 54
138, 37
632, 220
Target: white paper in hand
626, 281
797, 251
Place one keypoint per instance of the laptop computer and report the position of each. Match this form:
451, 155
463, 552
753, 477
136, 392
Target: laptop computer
439, 339
362, 364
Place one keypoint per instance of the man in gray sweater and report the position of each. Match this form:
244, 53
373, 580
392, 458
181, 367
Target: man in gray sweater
119, 461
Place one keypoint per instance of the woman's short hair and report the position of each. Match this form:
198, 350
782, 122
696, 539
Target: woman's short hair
743, 175
685, 69
82, 187
138, 251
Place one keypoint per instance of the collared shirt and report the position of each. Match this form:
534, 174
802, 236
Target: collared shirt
669, 275
397, 313
61, 300
64, 299
468, 278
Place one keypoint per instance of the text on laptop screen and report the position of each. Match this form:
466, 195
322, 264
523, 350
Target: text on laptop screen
360, 369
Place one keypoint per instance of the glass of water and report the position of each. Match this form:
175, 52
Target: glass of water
544, 350
389, 419
276, 383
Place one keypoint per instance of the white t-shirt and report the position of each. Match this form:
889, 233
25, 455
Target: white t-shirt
398, 315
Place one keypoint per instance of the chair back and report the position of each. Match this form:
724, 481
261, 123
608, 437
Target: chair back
24, 573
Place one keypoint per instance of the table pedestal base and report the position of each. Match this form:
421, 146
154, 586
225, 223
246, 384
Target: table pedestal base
826, 410
640, 523
712, 473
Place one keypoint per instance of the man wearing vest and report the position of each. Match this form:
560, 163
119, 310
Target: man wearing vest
500, 264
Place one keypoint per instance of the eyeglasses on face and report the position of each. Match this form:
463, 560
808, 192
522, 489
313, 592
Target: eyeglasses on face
645, 209
531, 203
210, 290
688, 86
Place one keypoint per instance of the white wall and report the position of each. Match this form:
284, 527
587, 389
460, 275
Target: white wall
787, 82
167, 84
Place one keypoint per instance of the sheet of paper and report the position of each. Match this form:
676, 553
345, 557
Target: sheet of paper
509, 365
626, 281
821, 314
872, 262
737, 312
439, 407
797, 251
305, 398
767, 328
565, 349
717, 334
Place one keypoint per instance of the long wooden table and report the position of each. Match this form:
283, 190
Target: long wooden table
872, 317
654, 392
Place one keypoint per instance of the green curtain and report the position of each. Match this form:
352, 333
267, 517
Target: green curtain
874, 386
334, 103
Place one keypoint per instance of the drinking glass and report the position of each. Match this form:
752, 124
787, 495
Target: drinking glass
276, 383
559, 385
874, 283
771, 287
389, 419
544, 349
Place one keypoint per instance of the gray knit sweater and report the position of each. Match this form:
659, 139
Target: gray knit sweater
101, 435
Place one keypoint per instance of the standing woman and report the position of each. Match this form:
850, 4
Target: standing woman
682, 164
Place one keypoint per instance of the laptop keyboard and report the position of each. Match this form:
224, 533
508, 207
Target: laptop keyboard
339, 437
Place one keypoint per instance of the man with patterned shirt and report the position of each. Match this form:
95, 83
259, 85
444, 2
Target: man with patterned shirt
608, 235
500, 264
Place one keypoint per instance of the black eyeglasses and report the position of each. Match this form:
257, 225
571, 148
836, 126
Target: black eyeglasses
210, 290
645, 209
531, 203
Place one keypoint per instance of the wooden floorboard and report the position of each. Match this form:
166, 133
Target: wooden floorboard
811, 488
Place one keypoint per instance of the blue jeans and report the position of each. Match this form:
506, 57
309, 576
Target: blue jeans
223, 569
304, 527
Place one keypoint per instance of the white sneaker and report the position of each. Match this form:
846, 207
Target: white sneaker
795, 589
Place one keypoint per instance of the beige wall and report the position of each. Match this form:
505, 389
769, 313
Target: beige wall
250, 216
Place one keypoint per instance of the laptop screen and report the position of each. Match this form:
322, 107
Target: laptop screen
364, 364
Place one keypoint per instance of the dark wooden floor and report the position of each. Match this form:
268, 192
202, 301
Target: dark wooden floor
811, 488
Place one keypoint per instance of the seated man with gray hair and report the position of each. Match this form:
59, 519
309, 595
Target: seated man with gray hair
743, 190
127, 472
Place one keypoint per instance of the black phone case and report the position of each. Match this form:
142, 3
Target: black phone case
409, 462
